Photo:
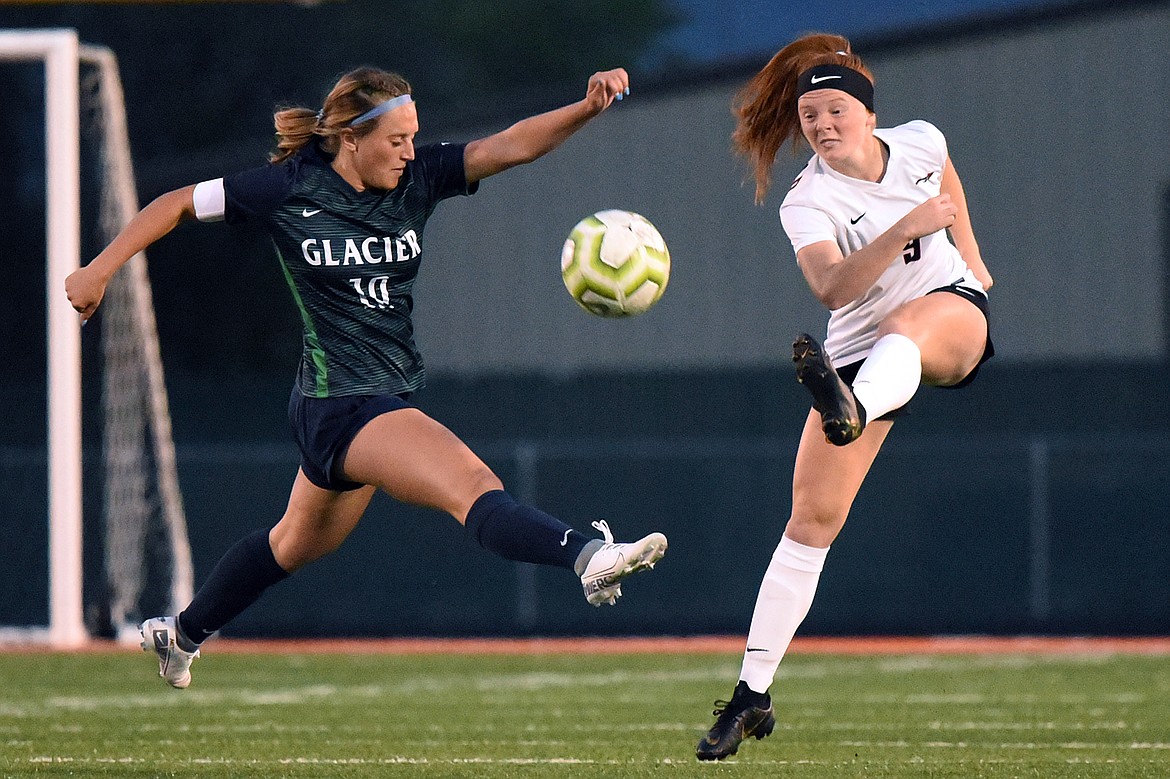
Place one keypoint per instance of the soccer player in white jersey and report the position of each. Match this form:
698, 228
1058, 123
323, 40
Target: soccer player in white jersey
344, 202
868, 219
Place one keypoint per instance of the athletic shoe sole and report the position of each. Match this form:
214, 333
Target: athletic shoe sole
840, 418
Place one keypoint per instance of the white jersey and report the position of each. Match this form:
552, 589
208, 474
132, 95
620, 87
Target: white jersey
824, 205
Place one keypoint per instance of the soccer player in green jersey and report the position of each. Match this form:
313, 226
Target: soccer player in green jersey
344, 202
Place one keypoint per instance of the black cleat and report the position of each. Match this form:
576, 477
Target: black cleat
737, 719
842, 418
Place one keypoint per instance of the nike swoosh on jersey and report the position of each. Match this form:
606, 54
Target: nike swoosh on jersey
858, 219
311, 212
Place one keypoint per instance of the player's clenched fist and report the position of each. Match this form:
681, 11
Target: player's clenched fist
928, 217
85, 288
605, 87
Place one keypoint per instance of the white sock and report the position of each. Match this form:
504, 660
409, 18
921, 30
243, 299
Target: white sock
785, 597
890, 375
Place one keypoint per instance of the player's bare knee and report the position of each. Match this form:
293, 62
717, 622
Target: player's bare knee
296, 547
815, 527
482, 480
958, 369
471, 486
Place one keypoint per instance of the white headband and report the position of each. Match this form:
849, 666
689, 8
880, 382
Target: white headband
381, 108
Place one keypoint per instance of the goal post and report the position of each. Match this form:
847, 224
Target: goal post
138, 459
59, 50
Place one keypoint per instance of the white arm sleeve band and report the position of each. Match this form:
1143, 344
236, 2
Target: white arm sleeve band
209, 200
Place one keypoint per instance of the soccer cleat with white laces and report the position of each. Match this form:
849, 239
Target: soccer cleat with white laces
613, 562
159, 635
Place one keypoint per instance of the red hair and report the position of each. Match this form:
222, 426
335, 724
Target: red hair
765, 108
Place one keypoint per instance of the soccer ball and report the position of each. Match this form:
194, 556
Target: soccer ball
615, 264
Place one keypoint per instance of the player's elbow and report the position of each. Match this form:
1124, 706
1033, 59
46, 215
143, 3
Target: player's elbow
824, 271
835, 302
832, 295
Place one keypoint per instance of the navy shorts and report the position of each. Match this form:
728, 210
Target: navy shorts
325, 427
849, 372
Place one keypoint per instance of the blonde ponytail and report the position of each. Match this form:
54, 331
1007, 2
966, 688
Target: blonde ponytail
295, 127
354, 94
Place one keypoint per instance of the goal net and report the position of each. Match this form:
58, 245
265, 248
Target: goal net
145, 560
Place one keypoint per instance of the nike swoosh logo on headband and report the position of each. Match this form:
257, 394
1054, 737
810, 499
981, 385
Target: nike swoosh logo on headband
819, 79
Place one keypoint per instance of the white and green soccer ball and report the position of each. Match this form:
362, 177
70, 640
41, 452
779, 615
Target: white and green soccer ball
615, 264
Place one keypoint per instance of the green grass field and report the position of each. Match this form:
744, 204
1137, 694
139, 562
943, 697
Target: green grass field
488, 716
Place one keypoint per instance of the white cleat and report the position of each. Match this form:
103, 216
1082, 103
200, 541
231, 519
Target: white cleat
614, 562
174, 665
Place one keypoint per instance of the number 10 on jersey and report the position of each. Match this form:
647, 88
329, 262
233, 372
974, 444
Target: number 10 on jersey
373, 292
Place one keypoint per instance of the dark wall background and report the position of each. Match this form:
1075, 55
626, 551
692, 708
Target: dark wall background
1005, 508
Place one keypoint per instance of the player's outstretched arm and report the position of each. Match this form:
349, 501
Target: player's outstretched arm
532, 138
86, 287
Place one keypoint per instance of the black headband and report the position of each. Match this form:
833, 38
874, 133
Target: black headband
848, 80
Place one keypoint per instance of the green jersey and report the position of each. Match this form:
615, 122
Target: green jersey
350, 259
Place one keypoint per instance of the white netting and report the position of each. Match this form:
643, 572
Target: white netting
145, 527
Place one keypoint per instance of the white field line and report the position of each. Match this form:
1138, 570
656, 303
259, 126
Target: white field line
915, 663
937, 725
1120, 698
337, 695
392, 760
408, 760
1029, 745
325, 694
536, 681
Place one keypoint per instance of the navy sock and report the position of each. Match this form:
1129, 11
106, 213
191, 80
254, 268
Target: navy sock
515, 531
238, 580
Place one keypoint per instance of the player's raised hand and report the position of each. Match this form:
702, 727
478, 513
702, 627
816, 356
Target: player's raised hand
605, 87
